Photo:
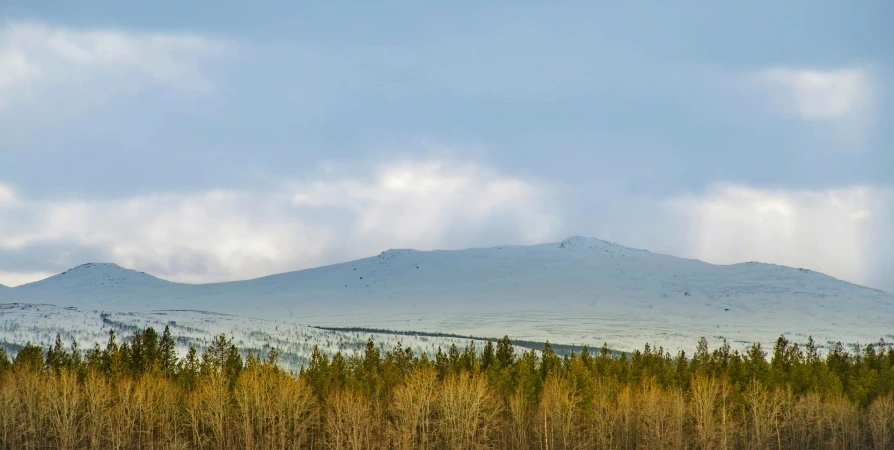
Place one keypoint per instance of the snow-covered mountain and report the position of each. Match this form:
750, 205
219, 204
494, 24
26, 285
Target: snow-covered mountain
581, 290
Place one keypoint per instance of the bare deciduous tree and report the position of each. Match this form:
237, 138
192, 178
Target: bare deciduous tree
468, 412
880, 420
413, 411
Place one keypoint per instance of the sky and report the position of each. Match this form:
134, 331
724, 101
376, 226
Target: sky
208, 141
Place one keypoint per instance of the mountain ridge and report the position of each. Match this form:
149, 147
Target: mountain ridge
573, 243
579, 290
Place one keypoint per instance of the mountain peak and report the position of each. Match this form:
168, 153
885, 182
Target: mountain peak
577, 243
95, 276
96, 265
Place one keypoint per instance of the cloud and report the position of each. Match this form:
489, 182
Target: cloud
829, 230
36, 57
7, 196
415, 202
18, 278
231, 234
814, 95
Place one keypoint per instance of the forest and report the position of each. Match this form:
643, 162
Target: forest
138, 394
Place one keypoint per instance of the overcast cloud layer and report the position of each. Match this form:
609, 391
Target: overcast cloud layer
226, 143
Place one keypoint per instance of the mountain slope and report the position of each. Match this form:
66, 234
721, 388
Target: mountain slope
582, 290
39, 324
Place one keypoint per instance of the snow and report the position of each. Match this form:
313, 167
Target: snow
579, 291
39, 323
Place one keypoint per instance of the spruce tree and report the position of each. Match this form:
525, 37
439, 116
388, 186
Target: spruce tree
167, 352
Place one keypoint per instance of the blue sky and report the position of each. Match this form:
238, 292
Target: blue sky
222, 140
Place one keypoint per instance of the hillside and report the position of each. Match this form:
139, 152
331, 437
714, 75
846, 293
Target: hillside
39, 324
581, 290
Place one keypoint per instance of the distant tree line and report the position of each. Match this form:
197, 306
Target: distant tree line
561, 349
140, 395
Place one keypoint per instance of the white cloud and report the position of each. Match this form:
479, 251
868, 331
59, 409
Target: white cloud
7, 197
35, 57
818, 94
829, 230
224, 235
17, 278
414, 202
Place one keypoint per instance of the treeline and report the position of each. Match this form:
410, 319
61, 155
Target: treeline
140, 395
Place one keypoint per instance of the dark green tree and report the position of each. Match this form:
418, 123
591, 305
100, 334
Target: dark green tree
29, 358
167, 352
488, 356
505, 353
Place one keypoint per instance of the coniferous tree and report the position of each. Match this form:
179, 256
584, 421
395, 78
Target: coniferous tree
167, 352
57, 358
317, 373
505, 353
488, 356
189, 368
453, 359
29, 358
5, 363
701, 360
756, 366
110, 354
550, 362
397, 399
272, 358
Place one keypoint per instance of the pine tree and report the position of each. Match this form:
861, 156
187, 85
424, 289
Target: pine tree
371, 370
317, 373
488, 357
29, 358
232, 365
701, 360
215, 356
151, 353
111, 357
167, 352
505, 353
338, 372
75, 359
468, 361
550, 363
453, 358
272, 357
756, 366
189, 368
57, 358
